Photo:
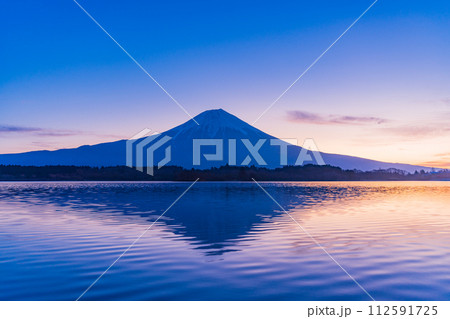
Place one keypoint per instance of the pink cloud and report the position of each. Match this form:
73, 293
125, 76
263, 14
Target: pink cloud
331, 119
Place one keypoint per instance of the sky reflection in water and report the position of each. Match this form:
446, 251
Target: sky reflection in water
225, 241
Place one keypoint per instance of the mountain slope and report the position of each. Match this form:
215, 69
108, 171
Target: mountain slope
214, 124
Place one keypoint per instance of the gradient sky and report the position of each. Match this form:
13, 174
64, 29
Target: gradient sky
382, 92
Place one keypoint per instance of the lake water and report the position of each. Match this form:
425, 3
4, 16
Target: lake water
225, 241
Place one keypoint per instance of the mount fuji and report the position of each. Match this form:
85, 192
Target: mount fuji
213, 124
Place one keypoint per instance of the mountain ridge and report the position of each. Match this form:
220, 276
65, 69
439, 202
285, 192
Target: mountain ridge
212, 124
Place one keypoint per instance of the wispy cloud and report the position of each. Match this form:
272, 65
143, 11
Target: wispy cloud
437, 164
445, 155
10, 129
445, 101
332, 119
419, 131
17, 129
38, 131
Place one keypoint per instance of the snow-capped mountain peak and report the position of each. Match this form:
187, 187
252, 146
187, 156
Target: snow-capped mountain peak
216, 123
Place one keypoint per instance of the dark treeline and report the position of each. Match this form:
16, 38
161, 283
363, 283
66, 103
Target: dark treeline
225, 173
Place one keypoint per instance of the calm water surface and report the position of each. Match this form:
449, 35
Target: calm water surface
225, 241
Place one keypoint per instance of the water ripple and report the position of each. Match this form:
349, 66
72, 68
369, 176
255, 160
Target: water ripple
225, 241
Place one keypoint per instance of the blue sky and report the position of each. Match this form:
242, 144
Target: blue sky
64, 83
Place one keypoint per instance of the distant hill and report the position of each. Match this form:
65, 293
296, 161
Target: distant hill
213, 124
